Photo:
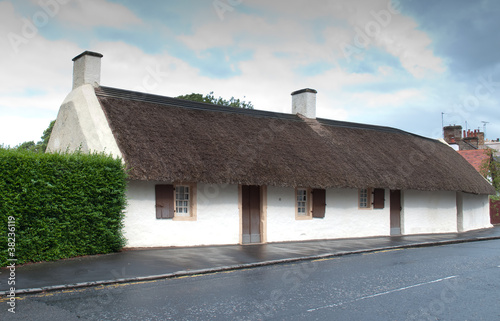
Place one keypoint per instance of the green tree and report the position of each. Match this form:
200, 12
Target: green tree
210, 99
46, 136
490, 168
41, 146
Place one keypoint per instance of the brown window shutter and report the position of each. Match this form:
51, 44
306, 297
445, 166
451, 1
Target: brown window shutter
164, 201
319, 203
379, 198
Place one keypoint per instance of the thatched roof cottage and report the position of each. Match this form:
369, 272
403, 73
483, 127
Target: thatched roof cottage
204, 174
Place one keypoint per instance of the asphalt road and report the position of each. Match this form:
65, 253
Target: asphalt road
452, 282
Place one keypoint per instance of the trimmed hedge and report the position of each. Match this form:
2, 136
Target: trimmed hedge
64, 205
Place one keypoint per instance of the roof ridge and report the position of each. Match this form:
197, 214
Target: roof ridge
105, 91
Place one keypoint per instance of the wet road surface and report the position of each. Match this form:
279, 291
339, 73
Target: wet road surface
451, 282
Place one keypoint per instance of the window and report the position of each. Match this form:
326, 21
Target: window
309, 203
302, 204
177, 202
302, 201
364, 198
182, 207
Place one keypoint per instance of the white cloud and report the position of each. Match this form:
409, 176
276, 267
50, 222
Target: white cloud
16, 129
411, 46
35, 79
35, 63
302, 33
97, 13
378, 23
289, 27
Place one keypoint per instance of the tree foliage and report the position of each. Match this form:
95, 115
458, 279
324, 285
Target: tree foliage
210, 99
490, 169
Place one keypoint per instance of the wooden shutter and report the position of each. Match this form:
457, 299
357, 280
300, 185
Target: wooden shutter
319, 203
164, 201
379, 198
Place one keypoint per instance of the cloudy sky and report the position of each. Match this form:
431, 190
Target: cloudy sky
398, 64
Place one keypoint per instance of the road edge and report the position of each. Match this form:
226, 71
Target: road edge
241, 266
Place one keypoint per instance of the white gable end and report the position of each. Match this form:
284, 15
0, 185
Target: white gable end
81, 124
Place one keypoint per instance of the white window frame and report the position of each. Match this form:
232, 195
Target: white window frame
188, 210
365, 198
307, 214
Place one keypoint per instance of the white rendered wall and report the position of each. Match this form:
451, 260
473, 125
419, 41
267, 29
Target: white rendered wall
342, 219
81, 123
305, 104
217, 218
476, 212
429, 212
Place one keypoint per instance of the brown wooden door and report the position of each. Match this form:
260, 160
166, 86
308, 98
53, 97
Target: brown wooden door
319, 203
250, 203
395, 212
164, 201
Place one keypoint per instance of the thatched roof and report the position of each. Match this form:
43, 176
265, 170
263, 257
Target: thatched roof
168, 139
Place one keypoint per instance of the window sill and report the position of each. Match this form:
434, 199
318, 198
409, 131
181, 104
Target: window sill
184, 218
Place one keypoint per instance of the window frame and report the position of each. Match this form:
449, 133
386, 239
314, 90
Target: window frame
368, 199
308, 214
192, 202
182, 200
192, 207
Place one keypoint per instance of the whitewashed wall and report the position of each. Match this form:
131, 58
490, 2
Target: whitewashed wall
81, 124
476, 212
217, 218
342, 219
429, 212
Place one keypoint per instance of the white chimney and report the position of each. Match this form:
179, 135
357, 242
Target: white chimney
304, 102
87, 69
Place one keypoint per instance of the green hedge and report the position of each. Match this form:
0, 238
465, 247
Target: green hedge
64, 205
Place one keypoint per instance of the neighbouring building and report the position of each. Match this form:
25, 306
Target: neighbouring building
477, 158
470, 140
202, 174
493, 144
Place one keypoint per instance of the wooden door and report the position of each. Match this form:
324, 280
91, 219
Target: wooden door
395, 212
164, 201
319, 203
250, 208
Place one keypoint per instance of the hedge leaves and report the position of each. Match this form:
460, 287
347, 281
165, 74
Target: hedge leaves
64, 205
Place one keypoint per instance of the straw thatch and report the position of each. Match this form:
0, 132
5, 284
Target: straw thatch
167, 139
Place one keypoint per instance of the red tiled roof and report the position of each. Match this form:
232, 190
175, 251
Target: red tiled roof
475, 157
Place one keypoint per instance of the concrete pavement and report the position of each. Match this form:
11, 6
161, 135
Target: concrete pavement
149, 264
